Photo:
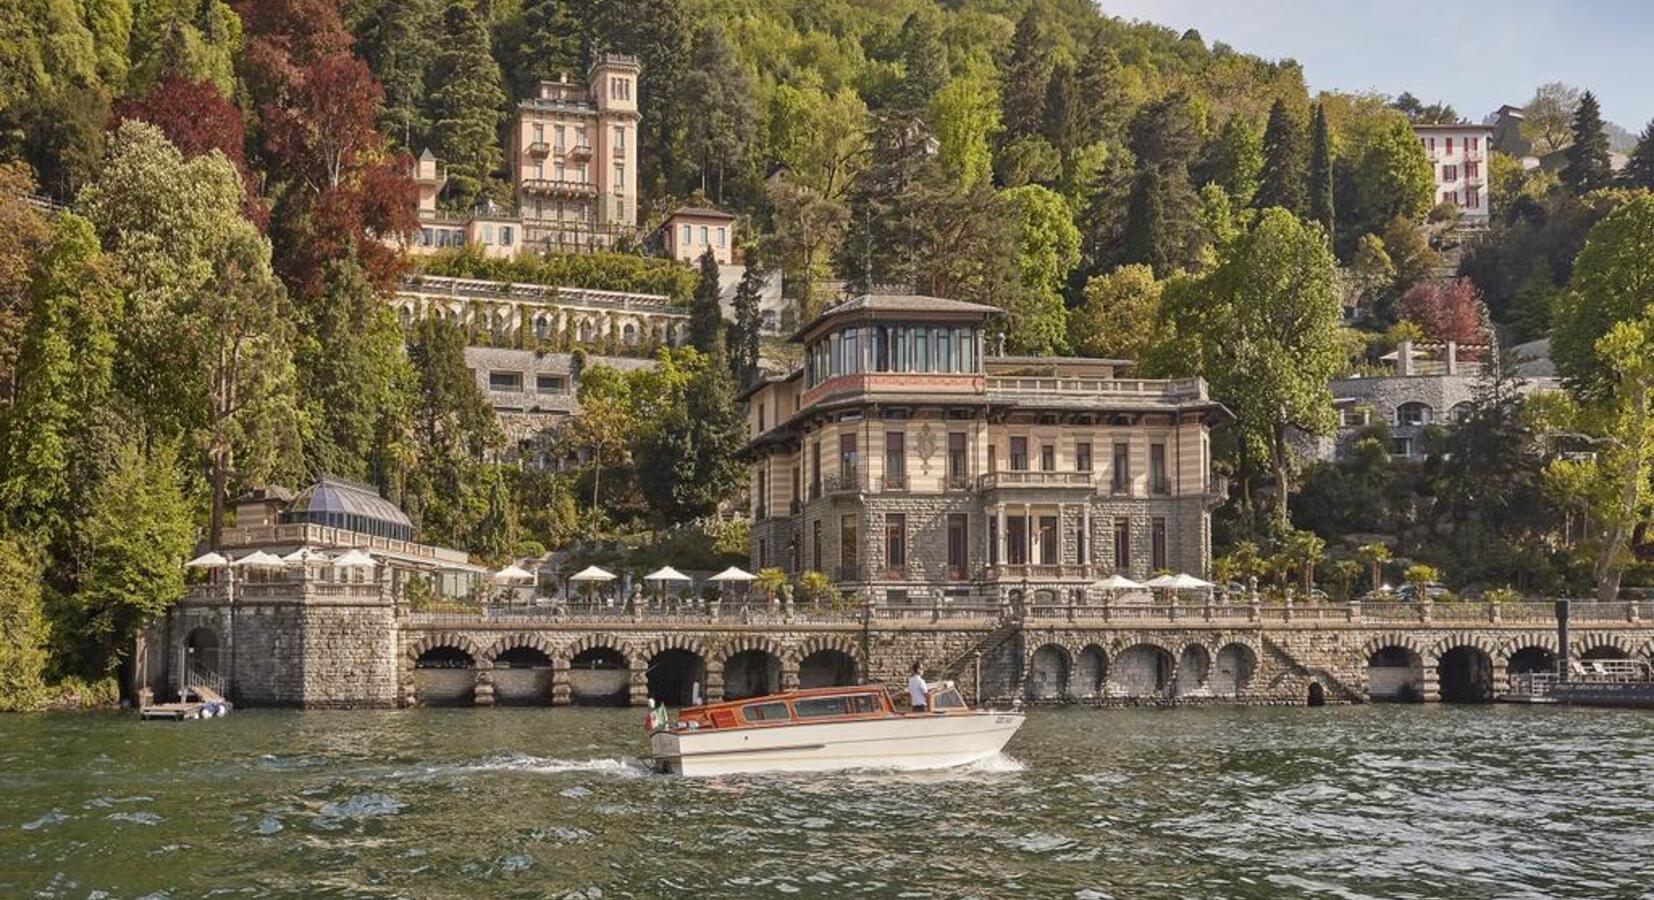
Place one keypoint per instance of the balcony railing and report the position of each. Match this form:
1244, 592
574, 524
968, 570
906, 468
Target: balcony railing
539, 148
847, 482
559, 187
957, 481
894, 482
1175, 389
1034, 479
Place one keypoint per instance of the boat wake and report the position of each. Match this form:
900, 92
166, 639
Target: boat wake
999, 762
620, 767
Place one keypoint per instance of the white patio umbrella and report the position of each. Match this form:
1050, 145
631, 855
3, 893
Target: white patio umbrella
1161, 583
512, 573
305, 555
1118, 582
1183, 581
208, 560
666, 573
355, 559
733, 574
259, 559
592, 573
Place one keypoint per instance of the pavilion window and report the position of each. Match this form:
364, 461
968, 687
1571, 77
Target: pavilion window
921, 351
881, 349
944, 350
898, 349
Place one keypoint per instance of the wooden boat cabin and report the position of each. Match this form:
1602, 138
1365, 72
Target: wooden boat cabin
835, 704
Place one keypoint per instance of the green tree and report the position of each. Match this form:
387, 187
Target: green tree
136, 536
541, 44
196, 40
1116, 317
1103, 94
1374, 556
686, 449
466, 104
1319, 185
966, 113
1284, 159
924, 62
1263, 326
706, 316
23, 622
748, 320
400, 39
448, 489
1639, 169
1239, 161
605, 429
1609, 286
721, 132
1047, 249
1161, 228
1409, 251
1587, 165
1530, 309
1027, 71
1391, 175
1547, 119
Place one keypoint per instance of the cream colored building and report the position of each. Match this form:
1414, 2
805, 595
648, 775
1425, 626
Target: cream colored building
902, 460
692, 230
1458, 160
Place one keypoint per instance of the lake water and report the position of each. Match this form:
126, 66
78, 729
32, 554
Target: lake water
1337, 802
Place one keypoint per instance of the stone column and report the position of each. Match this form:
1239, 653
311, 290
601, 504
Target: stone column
714, 682
559, 682
638, 690
484, 692
789, 675
999, 536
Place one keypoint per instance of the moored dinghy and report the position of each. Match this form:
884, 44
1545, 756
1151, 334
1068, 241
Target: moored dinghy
826, 729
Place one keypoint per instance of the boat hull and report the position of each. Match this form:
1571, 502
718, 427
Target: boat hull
896, 742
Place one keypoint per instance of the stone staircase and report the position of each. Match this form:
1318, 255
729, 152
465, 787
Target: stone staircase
960, 665
1341, 689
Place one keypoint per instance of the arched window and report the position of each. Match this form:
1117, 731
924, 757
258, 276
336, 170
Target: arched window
629, 333
542, 326
1460, 411
1414, 414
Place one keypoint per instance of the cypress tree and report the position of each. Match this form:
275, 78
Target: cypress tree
1283, 178
748, 321
1587, 167
1639, 170
1320, 172
467, 102
1062, 125
706, 318
1102, 93
924, 63
1147, 234
1026, 75
400, 39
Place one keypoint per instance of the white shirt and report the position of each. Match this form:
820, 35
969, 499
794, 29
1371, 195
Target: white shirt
917, 690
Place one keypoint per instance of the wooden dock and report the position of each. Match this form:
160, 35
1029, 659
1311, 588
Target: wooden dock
195, 702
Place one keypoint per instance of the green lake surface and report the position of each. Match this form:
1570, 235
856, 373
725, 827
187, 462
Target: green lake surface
1378, 801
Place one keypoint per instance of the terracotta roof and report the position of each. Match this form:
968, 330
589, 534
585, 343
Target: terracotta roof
701, 211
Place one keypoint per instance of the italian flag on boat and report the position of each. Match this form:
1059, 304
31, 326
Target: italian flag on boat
657, 719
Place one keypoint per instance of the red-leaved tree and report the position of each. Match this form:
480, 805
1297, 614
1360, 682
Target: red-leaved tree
197, 119
1446, 311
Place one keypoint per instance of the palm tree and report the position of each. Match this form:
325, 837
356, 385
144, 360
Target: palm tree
1373, 556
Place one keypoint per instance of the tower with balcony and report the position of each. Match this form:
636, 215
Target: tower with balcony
573, 158
903, 460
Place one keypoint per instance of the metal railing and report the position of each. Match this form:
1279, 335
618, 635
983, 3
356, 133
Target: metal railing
1175, 389
559, 186
893, 482
846, 482
1034, 478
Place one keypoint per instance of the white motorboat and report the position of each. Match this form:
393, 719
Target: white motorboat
824, 729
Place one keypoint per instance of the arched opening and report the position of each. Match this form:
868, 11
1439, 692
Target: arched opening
201, 657
1415, 413
1465, 675
1048, 673
1143, 670
677, 677
1317, 694
522, 677
1193, 665
628, 333
1605, 651
827, 668
1531, 659
1089, 672
1233, 671
751, 673
444, 676
542, 327
1395, 674
599, 677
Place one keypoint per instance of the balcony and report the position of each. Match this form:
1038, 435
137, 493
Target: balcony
893, 482
1039, 572
1174, 390
847, 482
1034, 479
957, 481
580, 151
539, 149
549, 187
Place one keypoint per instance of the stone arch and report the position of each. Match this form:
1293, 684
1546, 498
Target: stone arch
747, 642
676, 641
1232, 669
1125, 642
1464, 670
819, 642
1395, 668
1602, 645
517, 641
444, 639
1194, 667
750, 665
202, 649
1048, 668
676, 673
600, 668
1545, 640
601, 642
1463, 639
1090, 672
542, 326
1143, 669
628, 334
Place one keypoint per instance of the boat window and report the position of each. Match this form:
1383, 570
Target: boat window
816, 707
864, 703
948, 699
764, 712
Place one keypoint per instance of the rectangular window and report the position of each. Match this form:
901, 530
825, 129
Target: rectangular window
1016, 540
620, 137
505, 381
1473, 144
1082, 456
1048, 540
993, 463
1158, 482
847, 458
505, 235
956, 456
762, 500
549, 384
847, 542
1122, 468
895, 542
1019, 454
723, 236
815, 549
1453, 197
898, 349
704, 241
944, 350
1450, 173
1472, 169
815, 470
821, 707
895, 457
765, 712
1122, 544
1157, 545
487, 233
763, 553
958, 544
993, 540
539, 133
921, 350
619, 187
688, 237
1450, 146
1048, 458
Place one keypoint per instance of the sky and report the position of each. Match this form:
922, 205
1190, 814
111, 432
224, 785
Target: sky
1473, 55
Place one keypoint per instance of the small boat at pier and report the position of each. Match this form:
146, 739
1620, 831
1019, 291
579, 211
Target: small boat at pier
826, 729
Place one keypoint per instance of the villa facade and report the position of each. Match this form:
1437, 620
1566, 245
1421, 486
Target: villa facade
901, 459
1458, 162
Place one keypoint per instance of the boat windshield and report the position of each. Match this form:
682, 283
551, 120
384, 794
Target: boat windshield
948, 698
764, 712
843, 705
